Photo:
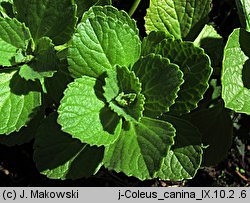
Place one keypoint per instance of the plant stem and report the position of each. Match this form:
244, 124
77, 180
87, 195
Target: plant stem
134, 7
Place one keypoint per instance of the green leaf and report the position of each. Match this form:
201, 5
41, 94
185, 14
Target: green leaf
216, 88
111, 12
14, 36
212, 43
160, 80
122, 92
120, 80
84, 5
185, 156
195, 65
19, 100
243, 7
83, 114
129, 106
54, 19
216, 128
140, 148
180, 18
152, 40
44, 64
93, 52
235, 72
59, 156
26, 133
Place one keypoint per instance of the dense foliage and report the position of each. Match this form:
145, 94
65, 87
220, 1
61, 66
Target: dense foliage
81, 80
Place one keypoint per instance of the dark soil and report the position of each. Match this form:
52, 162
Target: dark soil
18, 169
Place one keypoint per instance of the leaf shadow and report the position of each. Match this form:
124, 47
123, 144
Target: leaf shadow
246, 74
26, 133
214, 49
108, 118
59, 148
20, 86
244, 45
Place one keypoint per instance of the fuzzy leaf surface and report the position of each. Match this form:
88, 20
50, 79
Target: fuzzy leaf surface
160, 80
58, 156
140, 148
101, 43
111, 12
19, 100
179, 18
184, 158
54, 19
14, 38
83, 114
195, 65
235, 72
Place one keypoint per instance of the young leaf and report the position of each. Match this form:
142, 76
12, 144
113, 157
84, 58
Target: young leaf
140, 148
160, 80
99, 44
216, 128
195, 65
19, 101
83, 114
14, 39
212, 43
59, 156
122, 92
180, 18
184, 158
235, 72
243, 7
129, 106
44, 63
111, 12
54, 19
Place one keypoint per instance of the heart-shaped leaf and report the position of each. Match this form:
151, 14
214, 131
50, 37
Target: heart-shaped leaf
180, 18
140, 148
91, 121
101, 43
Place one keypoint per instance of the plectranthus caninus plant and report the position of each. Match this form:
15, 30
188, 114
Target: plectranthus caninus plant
78, 79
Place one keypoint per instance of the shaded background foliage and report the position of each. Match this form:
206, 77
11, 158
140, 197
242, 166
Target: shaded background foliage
17, 167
